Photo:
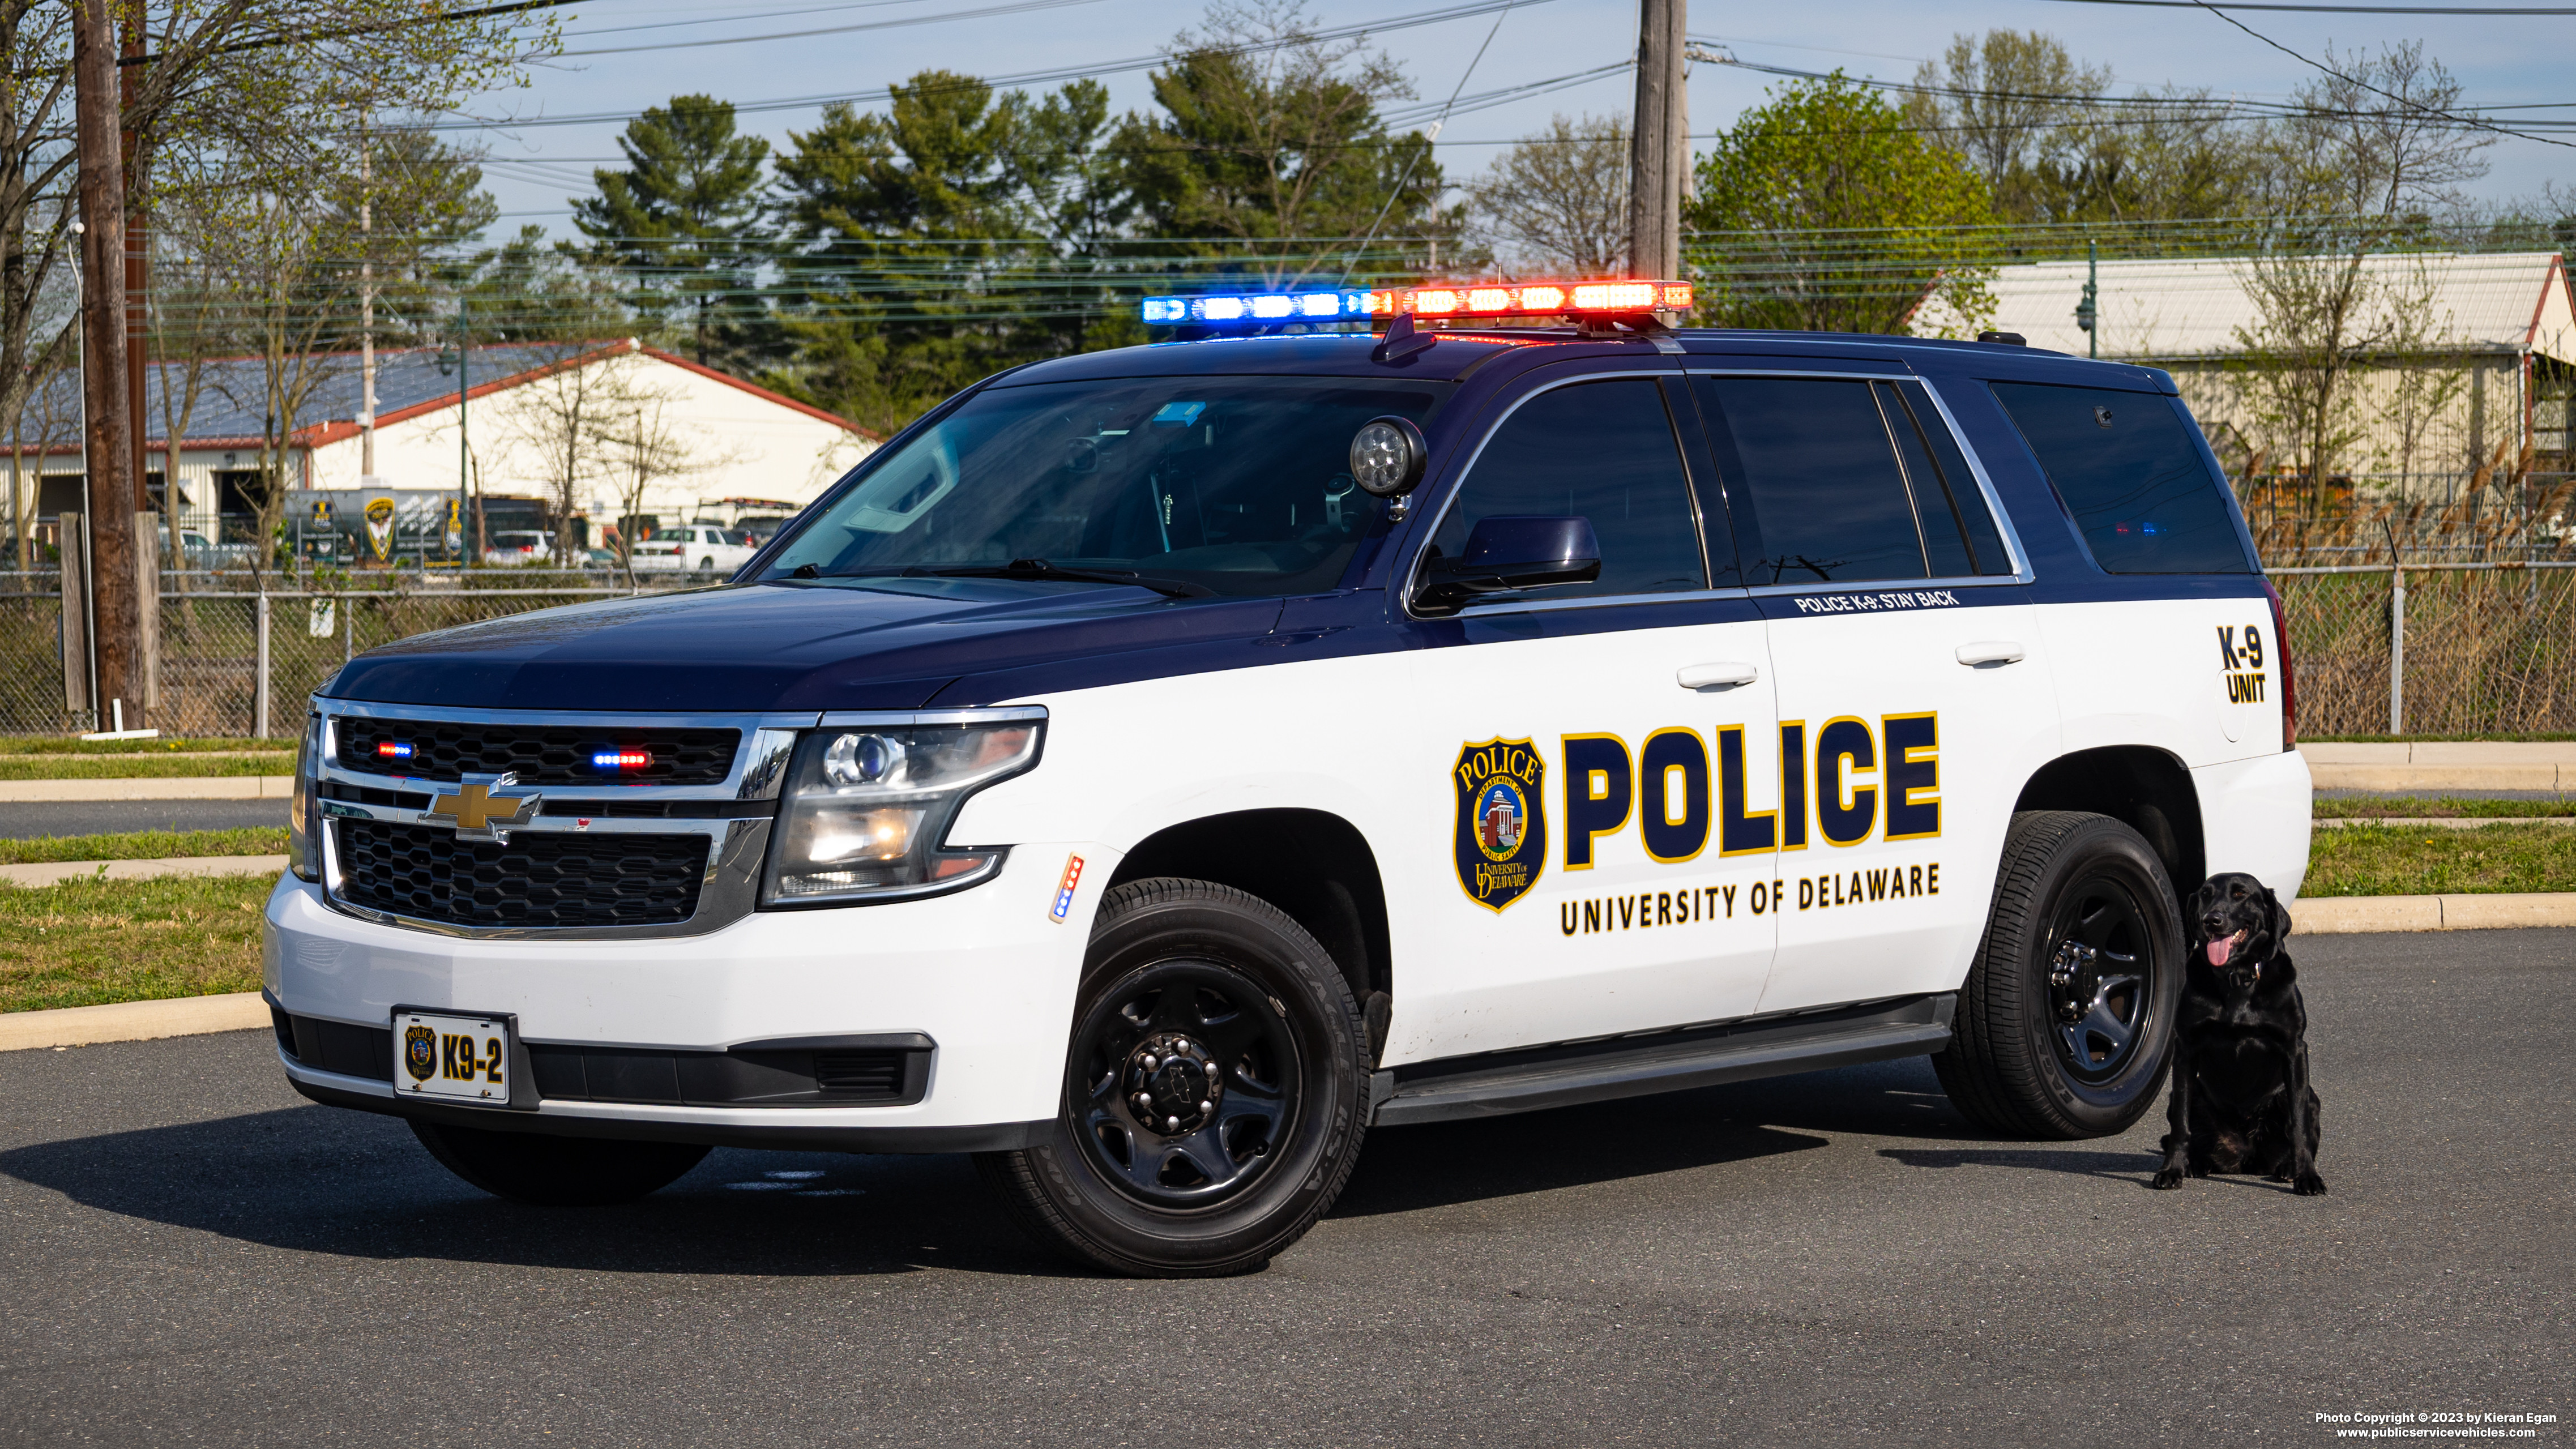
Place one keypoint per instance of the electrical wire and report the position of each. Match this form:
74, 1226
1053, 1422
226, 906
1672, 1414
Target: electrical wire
1037, 77
2408, 102
903, 23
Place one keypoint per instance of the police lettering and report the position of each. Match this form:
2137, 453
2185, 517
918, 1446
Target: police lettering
1861, 887
1861, 780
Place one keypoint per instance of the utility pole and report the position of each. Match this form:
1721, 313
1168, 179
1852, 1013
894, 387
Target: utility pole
112, 487
138, 273
366, 307
1659, 142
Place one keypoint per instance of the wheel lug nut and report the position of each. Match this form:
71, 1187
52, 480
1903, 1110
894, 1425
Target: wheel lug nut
1171, 1124
1206, 1107
1149, 1063
1144, 1103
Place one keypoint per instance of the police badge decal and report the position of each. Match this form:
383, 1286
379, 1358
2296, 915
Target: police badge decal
1501, 841
420, 1052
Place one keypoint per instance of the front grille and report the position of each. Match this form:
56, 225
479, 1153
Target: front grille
747, 1076
537, 880
538, 754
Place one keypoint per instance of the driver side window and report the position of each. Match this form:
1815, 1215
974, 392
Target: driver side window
1599, 450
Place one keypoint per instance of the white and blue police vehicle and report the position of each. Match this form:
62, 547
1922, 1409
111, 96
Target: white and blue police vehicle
1154, 768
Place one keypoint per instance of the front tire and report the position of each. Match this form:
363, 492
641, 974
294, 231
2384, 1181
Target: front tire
1215, 1090
547, 1171
2065, 1025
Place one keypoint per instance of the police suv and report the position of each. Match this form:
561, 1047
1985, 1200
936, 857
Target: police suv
1155, 767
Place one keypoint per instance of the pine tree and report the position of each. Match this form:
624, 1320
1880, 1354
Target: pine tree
683, 218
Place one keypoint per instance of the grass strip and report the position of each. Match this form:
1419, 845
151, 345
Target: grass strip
142, 767
2380, 860
146, 845
90, 942
64, 745
2448, 807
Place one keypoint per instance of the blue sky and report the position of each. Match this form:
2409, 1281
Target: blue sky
2500, 60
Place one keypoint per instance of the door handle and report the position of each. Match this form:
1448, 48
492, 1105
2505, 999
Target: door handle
1990, 651
1726, 674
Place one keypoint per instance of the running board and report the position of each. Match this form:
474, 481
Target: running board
1532, 1080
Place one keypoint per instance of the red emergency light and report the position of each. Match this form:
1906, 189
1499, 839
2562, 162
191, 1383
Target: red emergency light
1532, 299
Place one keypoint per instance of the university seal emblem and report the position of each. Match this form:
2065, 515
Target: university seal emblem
1501, 836
420, 1052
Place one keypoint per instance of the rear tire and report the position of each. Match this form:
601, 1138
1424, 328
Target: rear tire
548, 1171
2065, 1026
1216, 1091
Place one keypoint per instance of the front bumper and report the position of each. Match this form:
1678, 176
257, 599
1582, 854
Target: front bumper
988, 974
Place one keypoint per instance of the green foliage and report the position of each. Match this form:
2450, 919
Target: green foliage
1279, 144
146, 845
913, 234
2386, 860
1838, 218
681, 217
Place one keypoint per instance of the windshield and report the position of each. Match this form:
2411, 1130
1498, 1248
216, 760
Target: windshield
1239, 485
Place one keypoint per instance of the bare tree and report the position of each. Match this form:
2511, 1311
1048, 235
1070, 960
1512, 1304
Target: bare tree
36, 160
645, 448
2372, 147
1558, 200
2004, 101
561, 414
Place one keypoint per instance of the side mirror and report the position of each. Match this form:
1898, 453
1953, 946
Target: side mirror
1511, 551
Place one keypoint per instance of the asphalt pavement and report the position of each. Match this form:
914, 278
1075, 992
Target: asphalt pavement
30, 819
193, 1255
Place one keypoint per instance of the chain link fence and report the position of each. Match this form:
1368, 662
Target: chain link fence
2480, 649
2440, 649
224, 636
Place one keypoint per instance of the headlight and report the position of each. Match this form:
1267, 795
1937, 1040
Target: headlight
302, 845
867, 808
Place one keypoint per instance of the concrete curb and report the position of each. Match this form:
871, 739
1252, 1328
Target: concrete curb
72, 1026
165, 787
2414, 779
2345, 915
54, 872
2441, 822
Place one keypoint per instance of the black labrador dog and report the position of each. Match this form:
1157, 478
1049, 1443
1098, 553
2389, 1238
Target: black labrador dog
2241, 1098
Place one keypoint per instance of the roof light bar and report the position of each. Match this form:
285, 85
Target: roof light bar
1258, 307
1517, 299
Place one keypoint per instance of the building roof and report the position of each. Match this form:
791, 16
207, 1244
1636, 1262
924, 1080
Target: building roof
2504, 302
231, 405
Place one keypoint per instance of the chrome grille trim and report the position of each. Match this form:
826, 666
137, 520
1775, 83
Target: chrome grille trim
737, 846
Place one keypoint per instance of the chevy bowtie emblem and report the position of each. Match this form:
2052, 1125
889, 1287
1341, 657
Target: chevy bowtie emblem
478, 814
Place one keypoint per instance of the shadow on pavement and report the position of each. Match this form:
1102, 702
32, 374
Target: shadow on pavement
2130, 1167
315, 1179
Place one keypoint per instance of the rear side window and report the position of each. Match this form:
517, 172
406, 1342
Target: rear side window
2128, 469
1604, 451
1829, 481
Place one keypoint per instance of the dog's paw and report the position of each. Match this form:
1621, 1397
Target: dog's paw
2167, 1180
2309, 1185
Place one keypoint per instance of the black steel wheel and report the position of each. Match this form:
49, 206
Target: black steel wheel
544, 1170
2065, 1023
1215, 1090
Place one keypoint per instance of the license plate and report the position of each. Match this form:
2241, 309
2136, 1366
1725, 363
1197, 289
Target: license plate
453, 1058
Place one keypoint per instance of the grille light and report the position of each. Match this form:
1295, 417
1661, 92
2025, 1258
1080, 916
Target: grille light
389, 750
621, 759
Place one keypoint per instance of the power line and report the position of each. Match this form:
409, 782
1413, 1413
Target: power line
2343, 9
1024, 78
2406, 101
906, 21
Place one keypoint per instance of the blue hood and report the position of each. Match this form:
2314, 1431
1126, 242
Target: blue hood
901, 644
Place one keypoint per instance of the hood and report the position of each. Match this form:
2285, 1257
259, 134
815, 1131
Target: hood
893, 644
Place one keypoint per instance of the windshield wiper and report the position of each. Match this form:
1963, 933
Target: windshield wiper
1038, 568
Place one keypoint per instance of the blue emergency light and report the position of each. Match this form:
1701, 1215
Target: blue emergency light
1254, 308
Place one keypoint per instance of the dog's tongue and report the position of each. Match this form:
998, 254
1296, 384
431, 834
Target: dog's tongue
2219, 948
